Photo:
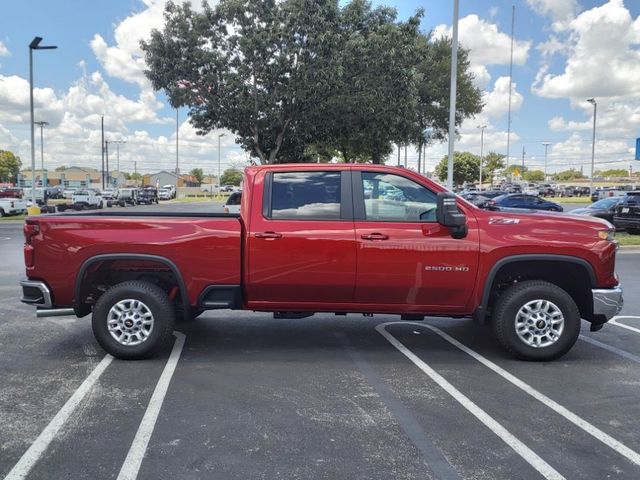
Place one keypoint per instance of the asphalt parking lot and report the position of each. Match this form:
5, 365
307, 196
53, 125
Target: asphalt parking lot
243, 396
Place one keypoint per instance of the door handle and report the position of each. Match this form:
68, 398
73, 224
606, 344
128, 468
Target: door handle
268, 235
374, 236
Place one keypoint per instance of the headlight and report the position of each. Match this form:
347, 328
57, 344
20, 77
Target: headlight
608, 234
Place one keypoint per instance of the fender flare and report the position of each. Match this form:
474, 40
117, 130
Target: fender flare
81, 309
484, 303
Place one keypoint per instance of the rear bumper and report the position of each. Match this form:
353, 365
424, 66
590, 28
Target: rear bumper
36, 293
607, 302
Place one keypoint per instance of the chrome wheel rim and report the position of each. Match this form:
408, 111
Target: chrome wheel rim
130, 322
539, 323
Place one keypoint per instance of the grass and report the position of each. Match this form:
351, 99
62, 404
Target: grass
13, 218
627, 240
585, 200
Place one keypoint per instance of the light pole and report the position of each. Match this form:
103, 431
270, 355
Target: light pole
117, 143
177, 156
545, 145
219, 182
592, 101
481, 127
452, 94
34, 45
42, 125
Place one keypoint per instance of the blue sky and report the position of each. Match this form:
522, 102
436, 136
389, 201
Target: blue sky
566, 51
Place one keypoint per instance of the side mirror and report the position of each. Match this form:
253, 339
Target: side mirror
448, 215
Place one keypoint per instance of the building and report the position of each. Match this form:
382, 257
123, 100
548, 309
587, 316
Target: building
169, 178
73, 177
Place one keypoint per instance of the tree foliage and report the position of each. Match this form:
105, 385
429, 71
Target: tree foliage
612, 172
9, 166
466, 168
297, 79
198, 174
534, 176
231, 176
492, 163
571, 174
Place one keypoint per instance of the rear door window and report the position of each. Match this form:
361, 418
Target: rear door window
306, 195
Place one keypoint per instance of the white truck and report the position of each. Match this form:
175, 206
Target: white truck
12, 206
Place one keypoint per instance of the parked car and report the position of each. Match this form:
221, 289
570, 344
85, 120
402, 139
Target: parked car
531, 189
109, 194
604, 208
148, 196
172, 190
477, 198
566, 192
309, 241
520, 200
164, 194
11, 192
546, 190
12, 206
233, 203
55, 192
127, 196
627, 214
87, 198
582, 191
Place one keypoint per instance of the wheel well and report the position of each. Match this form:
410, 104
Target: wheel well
574, 278
99, 274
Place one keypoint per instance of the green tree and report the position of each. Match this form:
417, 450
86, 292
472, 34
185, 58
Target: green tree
231, 176
534, 176
466, 168
61, 168
198, 174
492, 163
255, 68
9, 166
613, 172
571, 174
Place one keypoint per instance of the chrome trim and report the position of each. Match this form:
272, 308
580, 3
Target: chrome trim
607, 301
54, 312
46, 293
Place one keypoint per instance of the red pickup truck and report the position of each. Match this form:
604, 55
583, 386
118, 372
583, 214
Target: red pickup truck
327, 238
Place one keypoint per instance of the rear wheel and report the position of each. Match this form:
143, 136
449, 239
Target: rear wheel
133, 320
536, 320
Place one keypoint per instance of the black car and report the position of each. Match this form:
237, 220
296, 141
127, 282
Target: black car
582, 191
627, 214
520, 200
604, 208
148, 195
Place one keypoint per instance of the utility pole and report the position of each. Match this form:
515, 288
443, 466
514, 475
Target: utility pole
405, 156
452, 94
106, 153
481, 127
219, 174
545, 145
177, 155
102, 148
513, 17
592, 101
42, 125
398, 145
117, 143
523, 162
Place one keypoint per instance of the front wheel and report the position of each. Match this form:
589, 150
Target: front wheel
536, 320
133, 320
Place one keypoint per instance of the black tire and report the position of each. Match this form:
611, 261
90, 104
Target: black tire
2, 214
157, 302
180, 316
514, 298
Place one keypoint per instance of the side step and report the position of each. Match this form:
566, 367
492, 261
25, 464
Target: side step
292, 315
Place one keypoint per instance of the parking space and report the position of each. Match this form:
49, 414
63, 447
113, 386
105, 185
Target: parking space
324, 397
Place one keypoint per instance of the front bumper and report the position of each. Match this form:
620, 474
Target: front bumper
607, 302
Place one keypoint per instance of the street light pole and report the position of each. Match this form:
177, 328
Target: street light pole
481, 127
117, 144
42, 125
593, 141
452, 94
545, 145
219, 182
34, 45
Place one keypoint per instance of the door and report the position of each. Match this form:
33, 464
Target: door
301, 246
404, 256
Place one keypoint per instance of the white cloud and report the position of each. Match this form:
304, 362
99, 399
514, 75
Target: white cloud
559, 124
487, 45
14, 102
4, 51
560, 11
603, 58
497, 101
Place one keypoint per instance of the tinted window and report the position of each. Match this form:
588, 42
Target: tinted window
307, 195
234, 199
394, 198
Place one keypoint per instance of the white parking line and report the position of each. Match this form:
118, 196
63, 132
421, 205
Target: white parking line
592, 430
546, 470
614, 321
131, 465
618, 351
37, 448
